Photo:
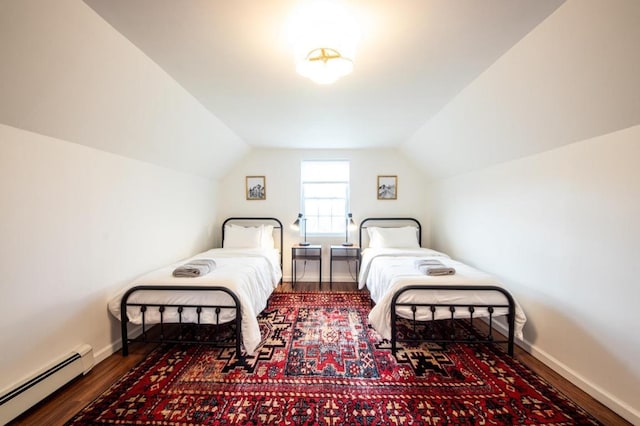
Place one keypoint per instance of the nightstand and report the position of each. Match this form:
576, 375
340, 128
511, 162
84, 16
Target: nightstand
340, 253
307, 253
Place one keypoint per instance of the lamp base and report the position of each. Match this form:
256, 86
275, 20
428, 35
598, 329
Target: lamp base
304, 243
347, 244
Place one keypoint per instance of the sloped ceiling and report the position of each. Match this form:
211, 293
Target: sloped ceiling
65, 73
193, 84
414, 56
575, 77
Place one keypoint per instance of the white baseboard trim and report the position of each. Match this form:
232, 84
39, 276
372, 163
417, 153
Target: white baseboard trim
106, 351
620, 407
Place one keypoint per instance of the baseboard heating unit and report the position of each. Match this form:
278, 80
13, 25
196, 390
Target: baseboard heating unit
25, 395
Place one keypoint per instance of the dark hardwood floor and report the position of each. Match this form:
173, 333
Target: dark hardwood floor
62, 405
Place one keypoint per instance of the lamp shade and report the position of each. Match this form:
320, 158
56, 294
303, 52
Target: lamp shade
351, 225
324, 36
324, 66
296, 224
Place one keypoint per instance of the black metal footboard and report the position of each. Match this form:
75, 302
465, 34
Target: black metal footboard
456, 311
179, 308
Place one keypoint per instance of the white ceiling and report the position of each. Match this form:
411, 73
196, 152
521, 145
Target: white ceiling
413, 58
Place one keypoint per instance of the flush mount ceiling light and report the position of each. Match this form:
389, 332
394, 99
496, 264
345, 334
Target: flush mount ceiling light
324, 65
324, 36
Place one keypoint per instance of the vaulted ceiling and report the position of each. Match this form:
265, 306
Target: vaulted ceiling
413, 58
194, 84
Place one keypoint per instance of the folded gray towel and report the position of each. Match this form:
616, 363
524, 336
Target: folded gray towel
433, 267
195, 268
434, 270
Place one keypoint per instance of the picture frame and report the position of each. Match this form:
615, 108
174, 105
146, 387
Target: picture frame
256, 188
387, 187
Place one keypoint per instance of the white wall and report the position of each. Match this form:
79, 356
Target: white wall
67, 73
575, 76
106, 172
561, 230
282, 170
77, 224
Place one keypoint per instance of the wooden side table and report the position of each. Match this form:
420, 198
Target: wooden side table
307, 253
340, 253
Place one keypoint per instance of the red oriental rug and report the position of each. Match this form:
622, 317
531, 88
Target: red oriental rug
320, 363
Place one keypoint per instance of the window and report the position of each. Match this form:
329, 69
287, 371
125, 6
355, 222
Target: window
325, 196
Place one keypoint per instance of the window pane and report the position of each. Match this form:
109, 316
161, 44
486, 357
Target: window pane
324, 190
325, 195
338, 206
312, 207
312, 225
324, 225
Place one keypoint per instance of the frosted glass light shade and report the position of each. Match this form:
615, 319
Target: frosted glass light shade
324, 37
324, 66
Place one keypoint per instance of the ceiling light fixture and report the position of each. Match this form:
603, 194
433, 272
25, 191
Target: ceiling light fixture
324, 36
324, 65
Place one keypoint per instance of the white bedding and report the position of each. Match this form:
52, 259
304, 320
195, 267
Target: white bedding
385, 271
252, 274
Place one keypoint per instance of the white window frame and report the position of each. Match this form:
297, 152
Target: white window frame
337, 227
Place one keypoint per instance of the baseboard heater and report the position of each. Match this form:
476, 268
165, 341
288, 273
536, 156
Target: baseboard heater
29, 392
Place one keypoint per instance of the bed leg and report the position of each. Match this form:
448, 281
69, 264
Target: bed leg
238, 345
125, 339
393, 330
239, 353
511, 319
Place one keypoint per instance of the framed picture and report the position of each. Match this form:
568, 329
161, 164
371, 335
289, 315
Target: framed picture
256, 188
387, 187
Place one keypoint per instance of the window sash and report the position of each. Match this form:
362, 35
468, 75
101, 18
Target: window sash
325, 201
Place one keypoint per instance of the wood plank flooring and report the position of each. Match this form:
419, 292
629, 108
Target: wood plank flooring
62, 405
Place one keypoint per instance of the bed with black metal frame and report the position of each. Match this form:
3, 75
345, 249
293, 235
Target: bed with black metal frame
200, 308
422, 296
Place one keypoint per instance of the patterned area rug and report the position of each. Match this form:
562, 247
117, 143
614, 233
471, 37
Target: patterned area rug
321, 364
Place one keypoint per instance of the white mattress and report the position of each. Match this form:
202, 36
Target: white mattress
251, 274
385, 271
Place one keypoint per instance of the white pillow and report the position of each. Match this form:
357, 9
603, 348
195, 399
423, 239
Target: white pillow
404, 237
267, 241
265, 231
242, 237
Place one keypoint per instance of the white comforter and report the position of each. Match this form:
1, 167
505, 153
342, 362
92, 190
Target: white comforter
385, 271
251, 274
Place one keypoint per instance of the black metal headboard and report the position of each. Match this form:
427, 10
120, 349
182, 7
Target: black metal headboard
386, 222
258, 221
